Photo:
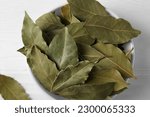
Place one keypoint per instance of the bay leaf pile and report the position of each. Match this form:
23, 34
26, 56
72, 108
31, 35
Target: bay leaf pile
74, 51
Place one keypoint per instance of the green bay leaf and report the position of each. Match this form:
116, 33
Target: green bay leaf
87, 91
114, 58
43, 68
110, 30
63, 49
32, 34
79, 33
83, 9
10, 89
72, 75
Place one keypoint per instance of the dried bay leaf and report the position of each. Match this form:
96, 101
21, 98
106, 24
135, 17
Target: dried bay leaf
87, 91
23, 50
87, 52
32, 34
83, 9
79, 33
50, 25
67, 14
49, 21
26, 50
63, 49
114, 58
110, 30
10, 89
43, 69
98, 76
73, 75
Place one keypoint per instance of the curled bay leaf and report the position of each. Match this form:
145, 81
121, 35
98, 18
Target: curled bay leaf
79, 33
72, 75
10, 89
99, 76
32, 34
83, 9
67, 15
88, 91
43, 68
114, 58
50, 24
110, 30
63, 49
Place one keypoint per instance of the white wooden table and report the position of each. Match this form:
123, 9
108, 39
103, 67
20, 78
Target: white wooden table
14, 64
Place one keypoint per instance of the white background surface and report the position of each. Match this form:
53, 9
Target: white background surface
12, 63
